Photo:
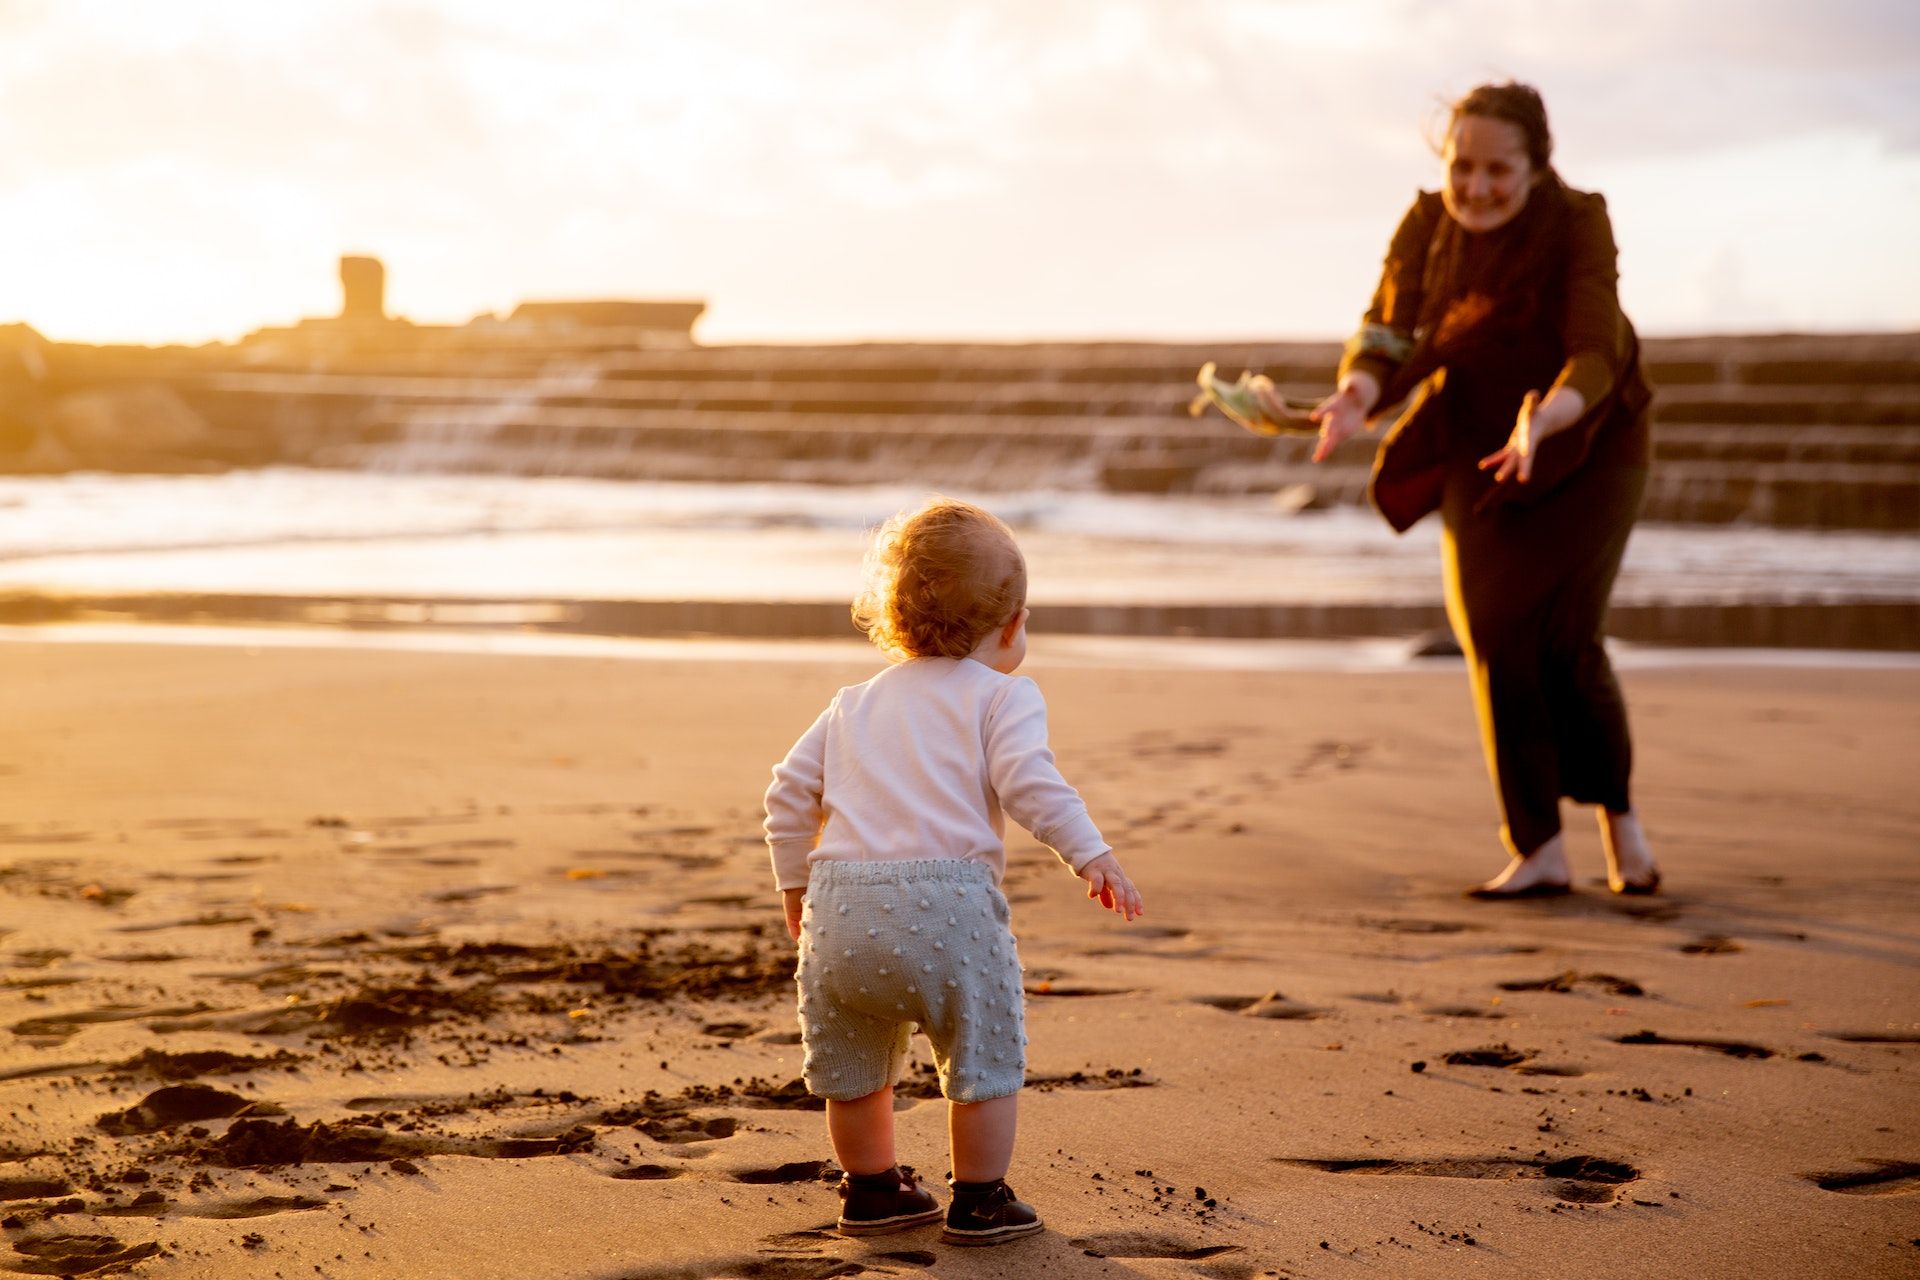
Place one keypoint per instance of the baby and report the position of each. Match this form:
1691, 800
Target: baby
885, 827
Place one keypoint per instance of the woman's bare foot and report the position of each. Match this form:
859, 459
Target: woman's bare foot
1542, 873
1630, 864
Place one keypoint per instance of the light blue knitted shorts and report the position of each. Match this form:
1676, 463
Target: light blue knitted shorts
886, 945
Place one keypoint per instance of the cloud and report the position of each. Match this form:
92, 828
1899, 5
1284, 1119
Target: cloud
1072, 159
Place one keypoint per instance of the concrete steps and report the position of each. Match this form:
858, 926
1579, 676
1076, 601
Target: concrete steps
1804, 430
1741, 405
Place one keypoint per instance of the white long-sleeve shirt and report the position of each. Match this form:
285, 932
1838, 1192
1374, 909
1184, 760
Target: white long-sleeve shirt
920, 762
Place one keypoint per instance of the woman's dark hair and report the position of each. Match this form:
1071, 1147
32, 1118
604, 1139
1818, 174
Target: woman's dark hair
1493, 298
1518, 104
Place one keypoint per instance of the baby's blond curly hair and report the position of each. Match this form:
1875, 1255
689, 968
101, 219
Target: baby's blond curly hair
938, 579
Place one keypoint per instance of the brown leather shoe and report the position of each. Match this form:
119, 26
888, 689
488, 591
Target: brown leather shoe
988, 1213
878, 1204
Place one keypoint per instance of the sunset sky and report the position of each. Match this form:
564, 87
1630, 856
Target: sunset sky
826, 169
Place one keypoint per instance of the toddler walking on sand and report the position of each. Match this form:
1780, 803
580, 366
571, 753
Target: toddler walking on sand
885, 827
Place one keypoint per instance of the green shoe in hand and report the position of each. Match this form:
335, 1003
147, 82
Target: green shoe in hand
1239, 401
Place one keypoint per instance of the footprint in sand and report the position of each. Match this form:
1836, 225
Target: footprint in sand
1141, 1244
808, 1241
648, 1173
202, 1062
1402, 924
148, 1204
683, 1129
38, 984
452, 896
752, 1268
153, 1062
252, 1144
156, 1206
1462, 1011
1111, 1078
1874, 1037
794, 1171
729, 1030
1571, 979
178, 1104
1271, 1005
438, 1104
54, 1028
1732, 1048
1506, 1057
256, 1207
267, 977
1578, 1179
1886, 1178
274, 1020
31, 1188
193, 877
1712, 944
1071, 990
1158, 932
795, 1269
196, 922
78, 1255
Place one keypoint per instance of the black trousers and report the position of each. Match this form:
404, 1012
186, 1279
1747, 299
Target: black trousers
1527, 590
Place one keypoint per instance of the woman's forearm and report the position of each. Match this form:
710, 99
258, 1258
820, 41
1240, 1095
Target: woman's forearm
1363, 387
1560, 410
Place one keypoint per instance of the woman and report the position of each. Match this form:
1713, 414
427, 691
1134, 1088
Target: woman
1498, 319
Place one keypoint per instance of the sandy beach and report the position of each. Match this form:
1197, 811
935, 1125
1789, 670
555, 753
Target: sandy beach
344, 963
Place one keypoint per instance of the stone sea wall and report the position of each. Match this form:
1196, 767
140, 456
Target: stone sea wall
1796, 431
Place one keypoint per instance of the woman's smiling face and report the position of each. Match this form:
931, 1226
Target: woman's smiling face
1489, 174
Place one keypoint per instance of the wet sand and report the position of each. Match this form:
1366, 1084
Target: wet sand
379, 963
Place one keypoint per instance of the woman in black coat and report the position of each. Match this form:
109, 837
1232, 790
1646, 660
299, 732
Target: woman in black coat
1498, 320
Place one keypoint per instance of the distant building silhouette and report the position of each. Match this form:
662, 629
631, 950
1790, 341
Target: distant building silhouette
364, 324
363, 288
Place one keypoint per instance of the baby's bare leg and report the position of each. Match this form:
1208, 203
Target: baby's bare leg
862, 1132
982, 1137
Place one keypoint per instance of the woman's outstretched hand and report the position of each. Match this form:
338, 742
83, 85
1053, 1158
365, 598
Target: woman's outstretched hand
1341, 417
1515, 458
1108, 885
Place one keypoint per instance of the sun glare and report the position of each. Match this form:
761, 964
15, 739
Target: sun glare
183, 172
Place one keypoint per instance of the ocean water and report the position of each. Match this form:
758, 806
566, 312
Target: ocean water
299, 532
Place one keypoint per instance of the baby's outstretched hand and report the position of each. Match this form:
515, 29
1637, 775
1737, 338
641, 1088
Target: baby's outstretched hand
1108, 885
794, 901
